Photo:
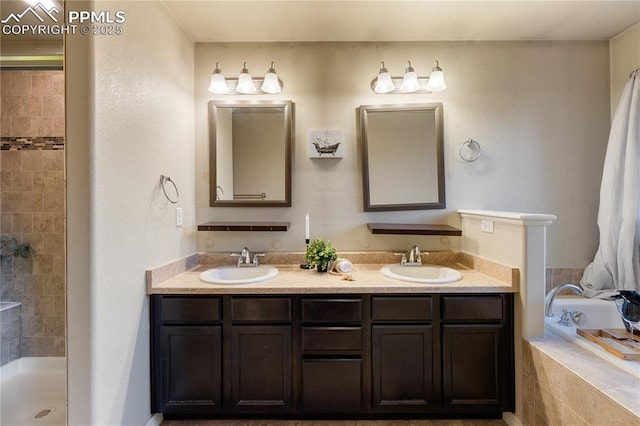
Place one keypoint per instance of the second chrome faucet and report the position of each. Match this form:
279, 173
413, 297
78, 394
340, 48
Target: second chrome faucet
245, 259
415, 257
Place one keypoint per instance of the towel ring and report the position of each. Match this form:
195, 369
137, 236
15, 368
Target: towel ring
470, 151
164, 179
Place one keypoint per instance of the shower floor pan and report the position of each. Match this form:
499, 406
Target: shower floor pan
33, 392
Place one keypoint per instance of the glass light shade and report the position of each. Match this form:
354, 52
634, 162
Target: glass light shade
410, 82
218, 84
245, 82
271, 84
384, 84
436, 81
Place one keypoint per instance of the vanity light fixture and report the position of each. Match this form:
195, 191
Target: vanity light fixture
410, 82
383, 82
218, 83
271, 83
436, 79
245, 84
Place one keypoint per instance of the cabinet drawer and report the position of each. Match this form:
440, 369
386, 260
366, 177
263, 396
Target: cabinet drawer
472, 308
331, 340
331, 310
189, 309
258, 309
401, 309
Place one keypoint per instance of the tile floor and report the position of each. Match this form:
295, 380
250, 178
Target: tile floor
234, 422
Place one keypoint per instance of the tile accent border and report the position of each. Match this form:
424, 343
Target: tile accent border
13, 143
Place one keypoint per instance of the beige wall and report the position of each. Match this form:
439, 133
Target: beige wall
540, 111
625, 57
130, 119
32, 205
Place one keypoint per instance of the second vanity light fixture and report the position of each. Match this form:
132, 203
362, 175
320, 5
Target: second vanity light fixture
245, 84
410, 82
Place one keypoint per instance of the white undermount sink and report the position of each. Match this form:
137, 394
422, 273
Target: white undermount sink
426, 274
239, 275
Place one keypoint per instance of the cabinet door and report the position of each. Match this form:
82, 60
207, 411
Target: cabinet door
332, 385
473, 367
261, 368
190, 369
402, 362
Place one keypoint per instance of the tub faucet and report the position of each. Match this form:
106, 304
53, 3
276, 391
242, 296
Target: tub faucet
548, 300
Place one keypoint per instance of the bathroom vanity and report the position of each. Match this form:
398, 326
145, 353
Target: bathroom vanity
364, 350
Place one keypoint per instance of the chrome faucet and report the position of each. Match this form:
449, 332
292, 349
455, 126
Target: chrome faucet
415, 257
548, 300
245, 259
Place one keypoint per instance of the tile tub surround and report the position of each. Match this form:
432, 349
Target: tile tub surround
9, 332
559, 276
489, 278
32, 201
566, 385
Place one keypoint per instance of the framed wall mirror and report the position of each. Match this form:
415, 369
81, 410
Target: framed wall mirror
250, 153
402, 157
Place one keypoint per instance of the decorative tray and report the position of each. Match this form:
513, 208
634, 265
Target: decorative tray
615, 341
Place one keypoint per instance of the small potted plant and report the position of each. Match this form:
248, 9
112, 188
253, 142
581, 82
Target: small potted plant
319, 254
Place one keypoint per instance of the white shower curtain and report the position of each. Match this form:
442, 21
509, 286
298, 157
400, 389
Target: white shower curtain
616, 265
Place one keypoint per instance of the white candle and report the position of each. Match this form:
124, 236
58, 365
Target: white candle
306, 227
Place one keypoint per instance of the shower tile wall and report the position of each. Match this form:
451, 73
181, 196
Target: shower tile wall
32, 204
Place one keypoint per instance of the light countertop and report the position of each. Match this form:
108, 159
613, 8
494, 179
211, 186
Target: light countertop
367, 279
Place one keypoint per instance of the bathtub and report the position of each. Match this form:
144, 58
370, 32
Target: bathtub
597, 313
33, 391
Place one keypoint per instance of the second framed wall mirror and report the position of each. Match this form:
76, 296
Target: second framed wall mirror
250, 153
402, 156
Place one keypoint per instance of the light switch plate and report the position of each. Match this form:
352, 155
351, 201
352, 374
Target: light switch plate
179, 215
486, 225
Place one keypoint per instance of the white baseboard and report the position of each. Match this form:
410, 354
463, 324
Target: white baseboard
156, 420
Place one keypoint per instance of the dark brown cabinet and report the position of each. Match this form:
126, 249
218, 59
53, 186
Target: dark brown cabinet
332, 356
471, 363
331, 371
200, 387
332, 385
187, 368
476, 363
261, 368
260, 354
402, 344
402, 367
